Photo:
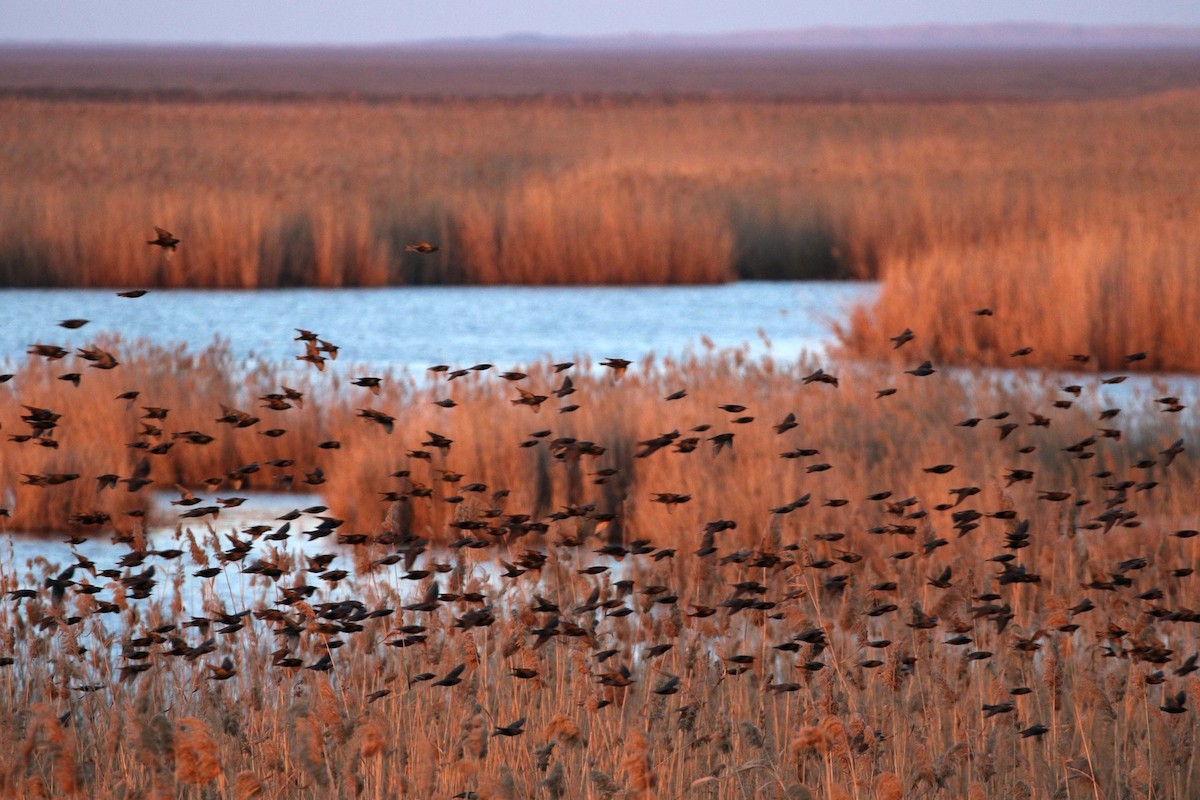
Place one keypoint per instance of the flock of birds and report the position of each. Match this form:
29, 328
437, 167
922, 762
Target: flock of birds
755, 586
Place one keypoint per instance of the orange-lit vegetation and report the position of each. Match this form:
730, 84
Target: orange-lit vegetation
1071, 218
824, 669
935, 583
329, 193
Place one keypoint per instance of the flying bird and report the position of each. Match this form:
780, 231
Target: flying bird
165, 239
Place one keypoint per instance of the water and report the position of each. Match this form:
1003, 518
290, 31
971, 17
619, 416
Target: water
23, 556
407, 327
419, 326
415, 327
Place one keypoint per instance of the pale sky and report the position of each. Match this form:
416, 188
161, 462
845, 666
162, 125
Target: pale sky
384, 21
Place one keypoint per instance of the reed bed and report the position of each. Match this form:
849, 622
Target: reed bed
455, 641
654, 190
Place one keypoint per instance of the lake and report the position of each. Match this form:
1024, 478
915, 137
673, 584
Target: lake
417, 327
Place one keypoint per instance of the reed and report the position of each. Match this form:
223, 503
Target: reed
650, 190
745, 702
913, 427
1105, 291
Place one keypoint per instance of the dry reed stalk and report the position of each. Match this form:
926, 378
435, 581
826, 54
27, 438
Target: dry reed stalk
308, 743
195, 752
372, 737
247, 786
887, 786
564, 730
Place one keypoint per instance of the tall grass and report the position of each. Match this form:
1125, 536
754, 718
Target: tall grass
913, 427
884, 708
1102, 290
550, 191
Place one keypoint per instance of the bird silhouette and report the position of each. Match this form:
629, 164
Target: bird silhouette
164, 239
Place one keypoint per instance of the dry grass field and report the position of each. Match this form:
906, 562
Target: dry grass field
602, 603
747, 70
1088, 204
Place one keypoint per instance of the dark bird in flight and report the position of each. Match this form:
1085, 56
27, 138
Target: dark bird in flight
453, 678
386, 420
512, 729
903, 338
367, 383
166, 240
617, 365
820, 376
1176, 704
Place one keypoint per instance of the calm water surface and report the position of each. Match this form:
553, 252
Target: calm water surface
420, 326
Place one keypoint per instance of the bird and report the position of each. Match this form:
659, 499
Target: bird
787, 424
820, 376
222, 672
368, 383
453, 678
903, 338
998, 708
386, 421
420, 247
942, 581
617, 365
512, 729
1175, 704
668, 686
924, 369
527, 398
164, 239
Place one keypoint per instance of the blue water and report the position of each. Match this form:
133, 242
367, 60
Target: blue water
417, 327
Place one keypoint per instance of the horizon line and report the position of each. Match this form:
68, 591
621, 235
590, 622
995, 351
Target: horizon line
750, 38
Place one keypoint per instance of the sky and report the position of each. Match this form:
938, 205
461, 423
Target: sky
388, 21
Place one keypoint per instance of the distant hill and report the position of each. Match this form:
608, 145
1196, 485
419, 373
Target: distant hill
1016, 61
1003, 35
